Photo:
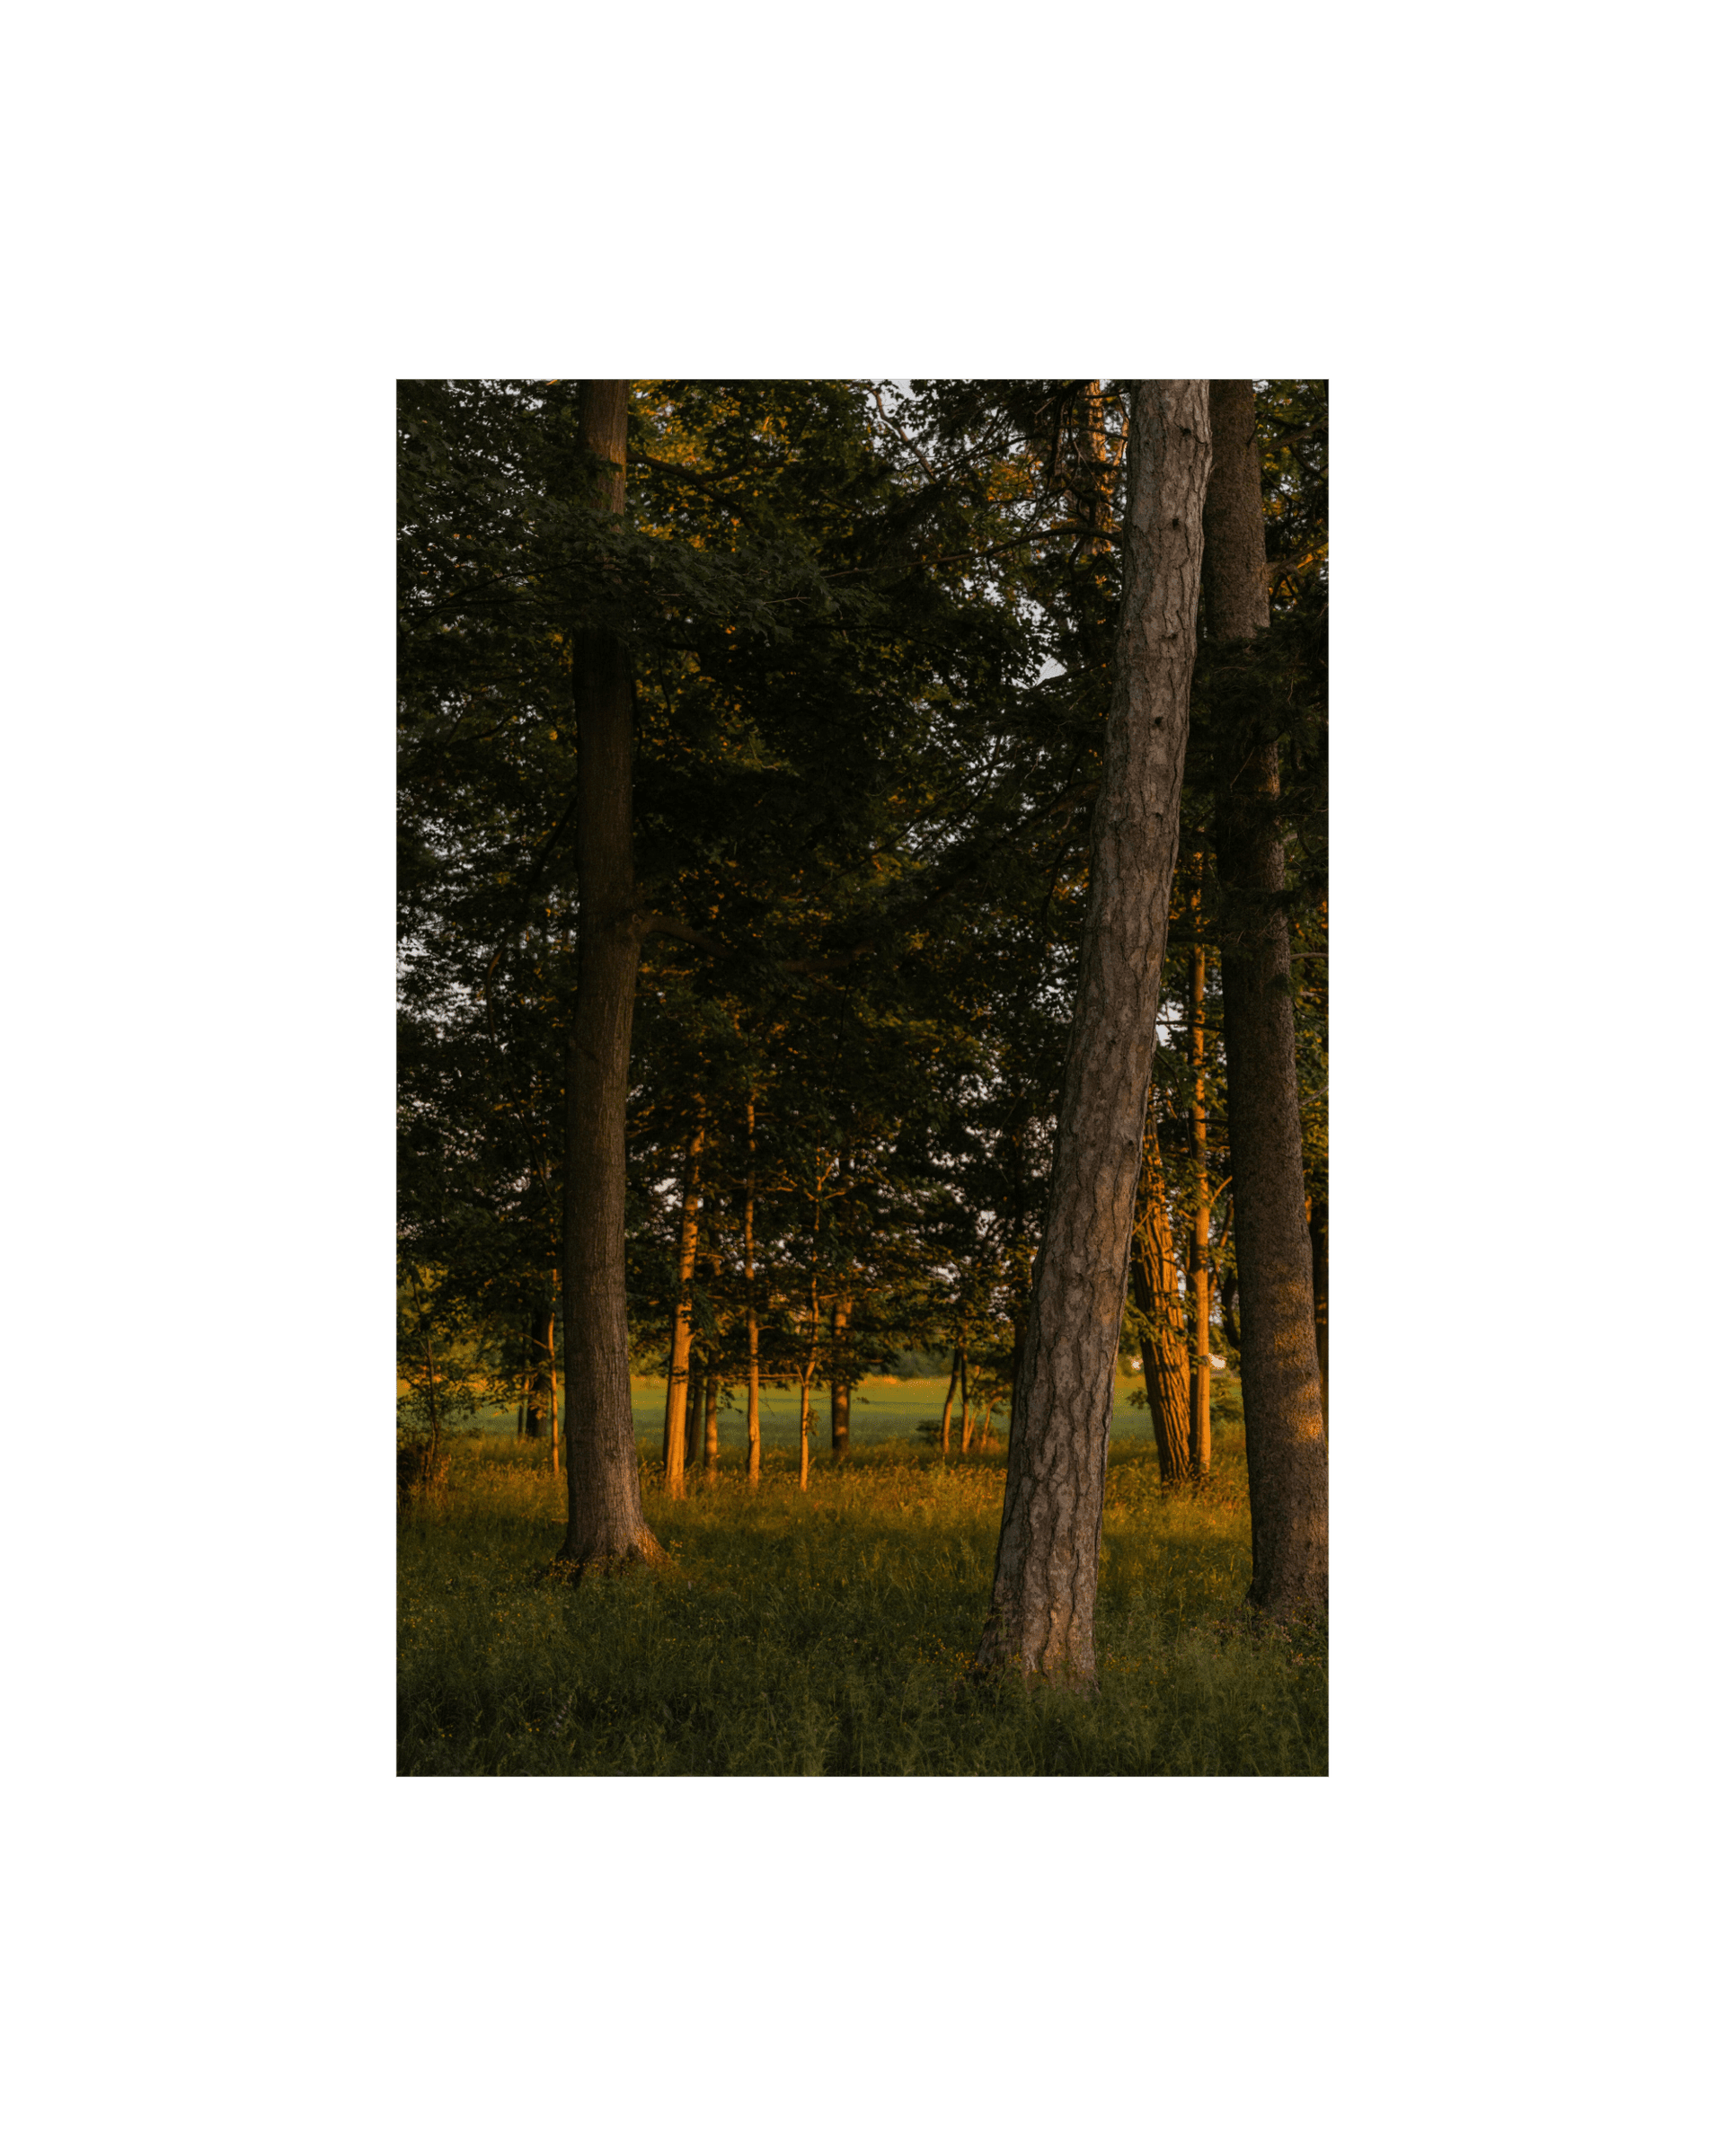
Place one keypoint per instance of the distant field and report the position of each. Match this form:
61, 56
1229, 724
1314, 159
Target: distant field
881, 1409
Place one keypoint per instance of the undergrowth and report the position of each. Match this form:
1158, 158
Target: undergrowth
826, 1632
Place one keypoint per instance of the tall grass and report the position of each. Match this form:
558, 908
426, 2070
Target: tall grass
823, 1633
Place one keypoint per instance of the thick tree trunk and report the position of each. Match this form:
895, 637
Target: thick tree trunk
605, 1527
754, 1320
677, 1382
1286, 1452
1155, 1280
1042, 1614
709, 1431
1199, 1410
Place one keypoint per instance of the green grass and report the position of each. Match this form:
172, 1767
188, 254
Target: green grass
822, 1633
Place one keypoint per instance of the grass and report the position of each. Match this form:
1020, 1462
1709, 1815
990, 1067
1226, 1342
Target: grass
821, 1633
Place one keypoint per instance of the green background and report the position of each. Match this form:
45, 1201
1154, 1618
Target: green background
233, 1928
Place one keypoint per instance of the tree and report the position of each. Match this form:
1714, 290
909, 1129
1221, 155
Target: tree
1042, 1609
1162, 1333
605, 1527
1286, 1449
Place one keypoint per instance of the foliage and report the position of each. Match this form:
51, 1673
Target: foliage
872, 631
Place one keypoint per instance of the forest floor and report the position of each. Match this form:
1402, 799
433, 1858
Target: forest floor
822, 1632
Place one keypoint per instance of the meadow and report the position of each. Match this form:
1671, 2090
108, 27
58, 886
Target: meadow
828, 1631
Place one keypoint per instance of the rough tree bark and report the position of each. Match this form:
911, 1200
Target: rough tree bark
1286, 1452
1042, 1613
605, 1528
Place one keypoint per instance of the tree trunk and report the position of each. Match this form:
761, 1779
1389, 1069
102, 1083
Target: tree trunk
1286, 1452
1155, 1280
964, 1400
946, 1412
692, 1411
710, 1433
677, 1380
1317, 1212
1042, 1611
804, 1416
526, 1379
605, 1527
1199, 1417
551, 1379
754, 1318
539, 1395
841, 1401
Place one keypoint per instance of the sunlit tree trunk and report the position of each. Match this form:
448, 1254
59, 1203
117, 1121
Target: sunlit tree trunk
710, 1433
1042, 1609
1199, 1417
551, 1381
946, 1412
964, 1400
1155, 1280
542, 1358
1281, 1383
605, 1527
692, 1411
676, 1383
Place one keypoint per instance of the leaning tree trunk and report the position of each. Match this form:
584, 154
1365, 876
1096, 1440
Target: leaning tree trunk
605, 1527
1286, 1453
1042, 1613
